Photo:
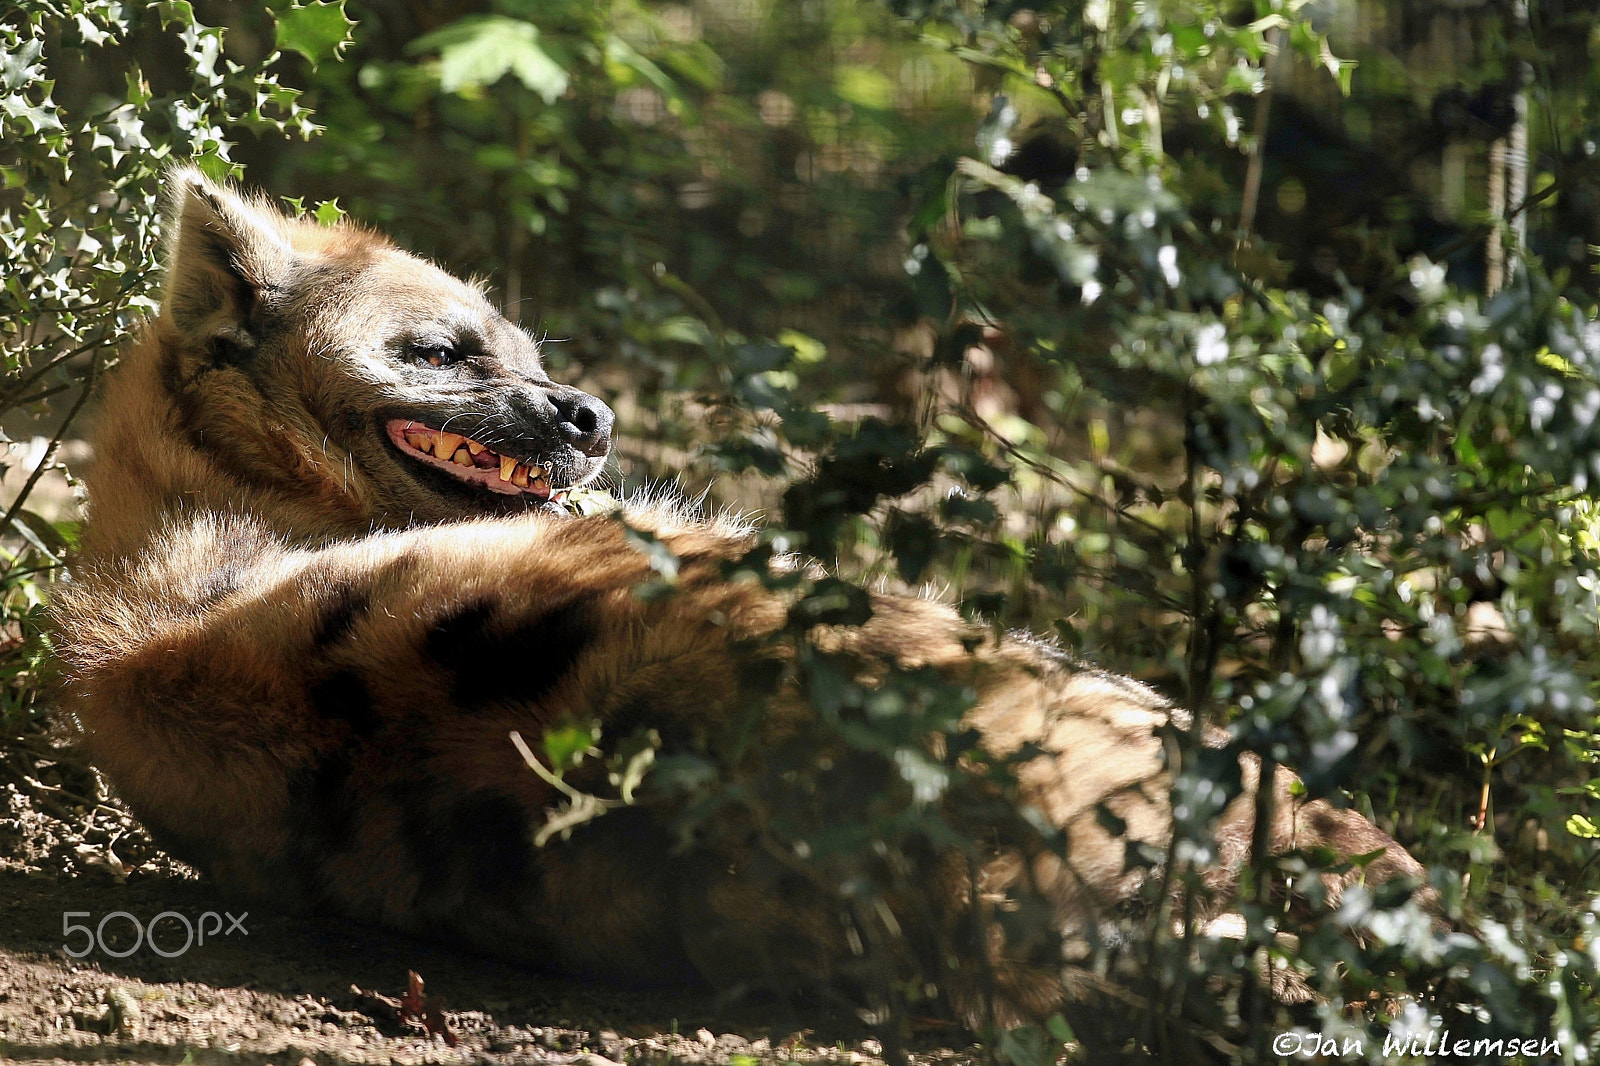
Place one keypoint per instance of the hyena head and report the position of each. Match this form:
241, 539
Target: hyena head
323, 361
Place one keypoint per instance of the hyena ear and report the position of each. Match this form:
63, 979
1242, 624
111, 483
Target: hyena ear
225, 256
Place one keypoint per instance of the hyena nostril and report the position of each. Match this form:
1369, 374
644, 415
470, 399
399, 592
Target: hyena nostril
585, 421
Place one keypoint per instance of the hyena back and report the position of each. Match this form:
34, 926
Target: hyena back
327, 572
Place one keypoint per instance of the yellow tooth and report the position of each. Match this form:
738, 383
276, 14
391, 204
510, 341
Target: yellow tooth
535, 470
519, 476
539, 484
419, 441
507, 465
450, 442
462, 458
473, 447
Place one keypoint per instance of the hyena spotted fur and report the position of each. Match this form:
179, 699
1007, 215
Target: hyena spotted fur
327, 572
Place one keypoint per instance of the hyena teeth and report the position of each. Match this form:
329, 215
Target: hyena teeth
519, 476
449, 442
535, 470
462, 458
539, 484
473, 447
507, 465
420, 441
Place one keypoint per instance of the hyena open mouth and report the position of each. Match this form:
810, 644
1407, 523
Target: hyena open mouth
471, 461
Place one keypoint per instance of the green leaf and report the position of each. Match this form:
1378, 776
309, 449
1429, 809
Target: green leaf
38, 531
684, 329
1579, 826
566, 745
215, 166
865, 87
328, 212
806, 349
176, 12
1343, 70
1028, 1045
626, 57
480, 50
317, 30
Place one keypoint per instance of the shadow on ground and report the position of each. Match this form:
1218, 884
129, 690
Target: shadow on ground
280, 992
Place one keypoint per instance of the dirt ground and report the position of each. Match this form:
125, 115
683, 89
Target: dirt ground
285, 991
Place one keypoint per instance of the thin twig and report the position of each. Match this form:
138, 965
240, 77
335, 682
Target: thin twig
1258, 152
1477, 233
50, 449
977, 421
538, 767
7, 398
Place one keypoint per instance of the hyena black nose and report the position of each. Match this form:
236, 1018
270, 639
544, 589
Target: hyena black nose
584, 421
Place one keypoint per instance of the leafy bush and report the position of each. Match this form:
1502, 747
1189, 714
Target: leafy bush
969, 292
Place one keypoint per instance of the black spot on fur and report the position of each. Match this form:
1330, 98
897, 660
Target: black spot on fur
343, 697
323, 820
492, 829
519, 666
477, 845
663, 714
454, 638
330, 801
397, 571
349, 606
1324, 822
636, 712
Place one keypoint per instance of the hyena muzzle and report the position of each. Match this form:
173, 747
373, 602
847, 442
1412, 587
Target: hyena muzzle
327, 572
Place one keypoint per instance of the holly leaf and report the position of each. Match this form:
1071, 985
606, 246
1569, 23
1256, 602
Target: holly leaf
328, 212
317, 30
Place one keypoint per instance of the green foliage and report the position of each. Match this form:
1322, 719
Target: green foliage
318, 29
967, 292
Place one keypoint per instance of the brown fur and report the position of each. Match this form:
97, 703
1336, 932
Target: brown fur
299, 659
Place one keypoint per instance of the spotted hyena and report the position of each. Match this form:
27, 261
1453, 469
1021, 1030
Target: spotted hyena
328, 572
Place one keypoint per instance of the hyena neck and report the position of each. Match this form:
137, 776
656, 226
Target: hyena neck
154, 469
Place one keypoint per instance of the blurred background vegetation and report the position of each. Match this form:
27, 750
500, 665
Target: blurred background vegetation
1248, 348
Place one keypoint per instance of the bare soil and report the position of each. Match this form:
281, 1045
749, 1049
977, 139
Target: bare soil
287, 991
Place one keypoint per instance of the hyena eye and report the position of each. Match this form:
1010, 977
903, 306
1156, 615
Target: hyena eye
436, 354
